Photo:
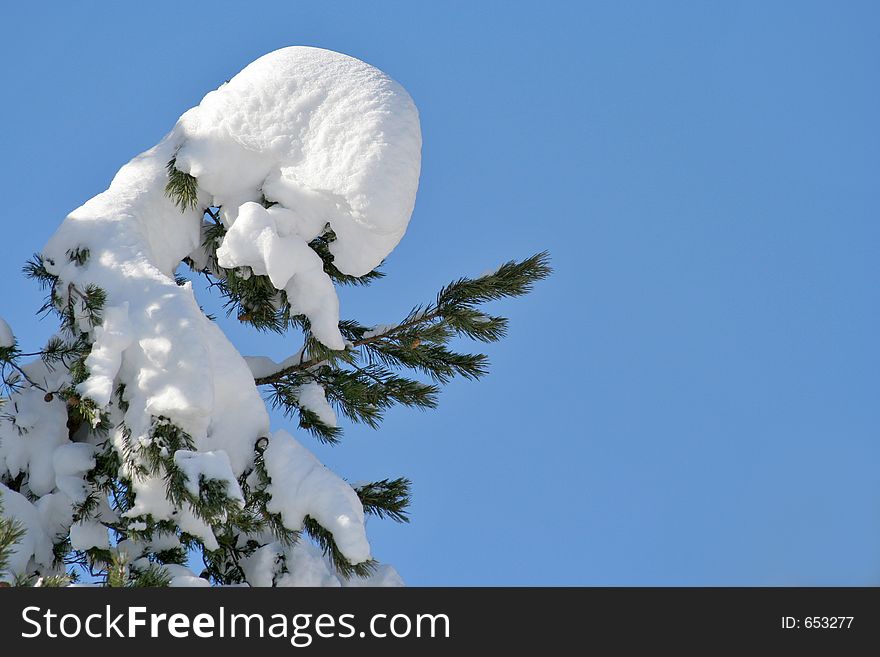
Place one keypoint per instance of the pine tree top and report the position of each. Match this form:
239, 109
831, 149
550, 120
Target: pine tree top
145, 421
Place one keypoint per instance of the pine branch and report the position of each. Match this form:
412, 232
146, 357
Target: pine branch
54, 581
321, 246
284, 397
325, 540
452, 313
512, 279
35, 269
11, 532
181, 187
386, 498
79, 255
117, 572
154, 576
252, 298
361, 382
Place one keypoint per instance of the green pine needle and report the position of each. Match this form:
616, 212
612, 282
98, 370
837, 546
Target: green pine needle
325, 540
387, 498
181, 187
11, 532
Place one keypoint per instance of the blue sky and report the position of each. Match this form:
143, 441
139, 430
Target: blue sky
692, 398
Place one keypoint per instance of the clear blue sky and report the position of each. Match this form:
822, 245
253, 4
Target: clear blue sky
693, 397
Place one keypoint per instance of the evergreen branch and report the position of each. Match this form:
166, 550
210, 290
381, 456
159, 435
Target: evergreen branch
79, 255
11, 532
117, 572
284, 397
181, 187
512, 279
363, 394
154, 576
321, 246
7, 357
434, 360
325, 540
250, 297
35, 269
319, 360
452, 313
386, 498
53, 581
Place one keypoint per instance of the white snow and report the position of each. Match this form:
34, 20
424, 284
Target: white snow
210, 465
255, 240
261, 366
111, 339
190, 523
150, 499
35, 547
28, 442
305, 565
302, 486
380, 329
328, 137
7, 338
71, 463
88, 534
329, 140
385, 575
56, 514
181, 576
312, 397
261, 567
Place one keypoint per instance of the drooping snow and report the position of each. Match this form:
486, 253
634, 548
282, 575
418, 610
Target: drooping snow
192, 524
88, 534
71, 462
302, 564
328, 142
181, 576
207, 465
112, 338
29, 440
384, 575
150, 499
261, 366
35, 546
326, 136
56, 514
312, 397
307, 567
261, 567
302, 486
256, 240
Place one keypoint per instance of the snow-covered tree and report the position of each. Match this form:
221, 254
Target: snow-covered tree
138, 435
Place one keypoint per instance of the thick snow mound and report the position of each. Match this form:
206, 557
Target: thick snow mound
207, 465
256, 241
301, 486
306, 566
329, 140
321, 139
325, 135
35, 544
